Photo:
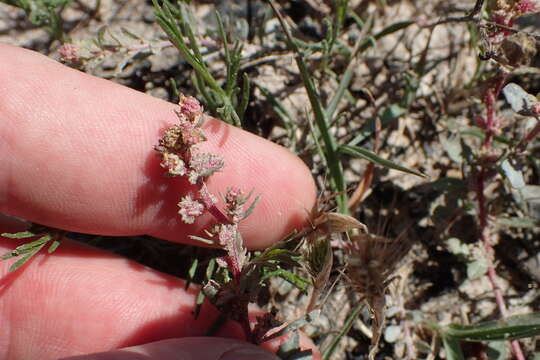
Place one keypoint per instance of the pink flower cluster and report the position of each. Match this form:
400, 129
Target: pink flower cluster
180, 157
526, 6
505, 14
69, 53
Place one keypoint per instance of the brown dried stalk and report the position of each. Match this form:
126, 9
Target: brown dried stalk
372, 263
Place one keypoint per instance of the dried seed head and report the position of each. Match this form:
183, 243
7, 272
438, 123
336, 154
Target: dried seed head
372, 260
319, 257
172, 139
173, 163
331, 222
319, 260
518, 49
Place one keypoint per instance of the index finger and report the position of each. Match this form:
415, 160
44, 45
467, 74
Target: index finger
80, 158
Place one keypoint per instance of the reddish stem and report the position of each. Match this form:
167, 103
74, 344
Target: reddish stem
532, 134
491, 94
209, 203
491, 125
219, 215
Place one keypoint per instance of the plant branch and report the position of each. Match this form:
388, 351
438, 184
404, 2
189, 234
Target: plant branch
472, 16
321, 119
491, 124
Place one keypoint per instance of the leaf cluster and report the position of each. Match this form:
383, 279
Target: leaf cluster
43, 236
43, 13
225, 100
511, 328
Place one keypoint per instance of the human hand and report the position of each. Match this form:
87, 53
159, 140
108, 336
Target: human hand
77, 155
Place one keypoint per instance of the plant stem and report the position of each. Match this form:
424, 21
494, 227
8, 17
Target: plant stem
330, 144
491, 124
472, 16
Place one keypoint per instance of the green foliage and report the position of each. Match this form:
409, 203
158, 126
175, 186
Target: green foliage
27, 250
357, 151
510, 328
227, 101
325, 114
43, 13
329, 351
290, 349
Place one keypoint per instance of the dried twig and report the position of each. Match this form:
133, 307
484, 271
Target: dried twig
472, 16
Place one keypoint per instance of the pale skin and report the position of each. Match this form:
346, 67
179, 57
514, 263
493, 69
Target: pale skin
76, 154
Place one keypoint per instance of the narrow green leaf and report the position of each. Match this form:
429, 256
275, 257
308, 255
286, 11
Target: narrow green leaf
244, 100
30, 245
200, 300
330, 144
452, 146
299, 282
276, 255
168, 23
19, 235
292, 344
343, 85
210, 268
100, 38
9, 255
400, 25
497, 350
54, 245
193, 268
368, 155
422, 347
510, 328
329, 351
130, 34
477, 268
453, 348
392, 113
388, 116
174, 88
476, 132
25, 258
281, 111
251, 207
514, 176
518, 222
295, 325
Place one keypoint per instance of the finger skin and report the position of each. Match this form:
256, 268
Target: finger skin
202, 348
80, 157
82, 300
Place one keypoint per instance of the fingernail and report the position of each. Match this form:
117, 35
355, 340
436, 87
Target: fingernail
248, 353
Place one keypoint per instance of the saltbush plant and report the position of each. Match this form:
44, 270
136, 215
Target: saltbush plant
335, 241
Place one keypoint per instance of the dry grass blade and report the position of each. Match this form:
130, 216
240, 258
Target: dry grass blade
372, 262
